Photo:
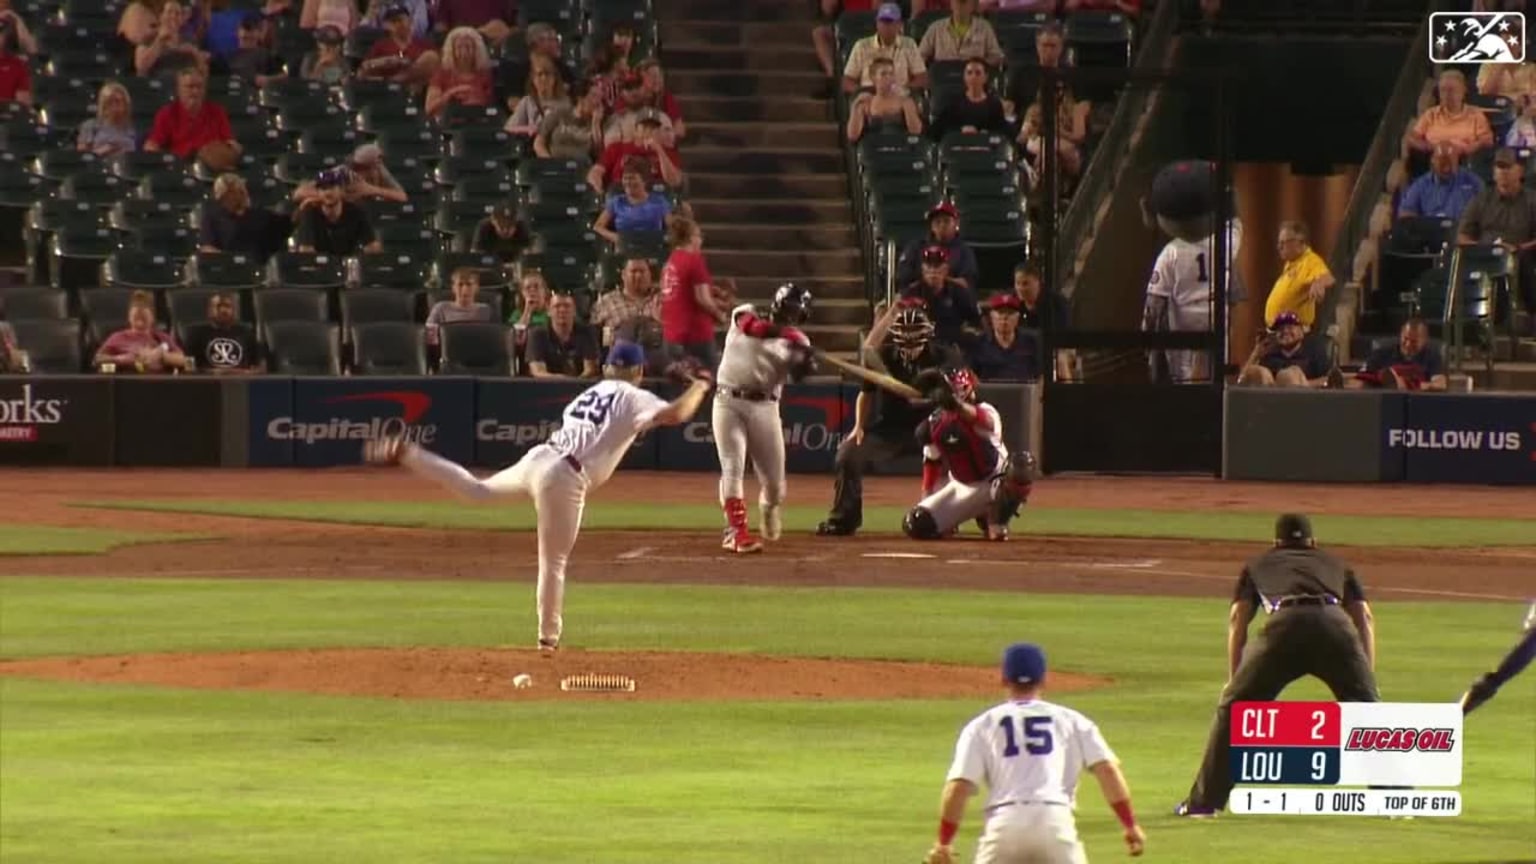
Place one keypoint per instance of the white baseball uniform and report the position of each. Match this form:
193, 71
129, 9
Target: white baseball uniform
962, 499
1029, 754
596, 429
1182, 274
746, 412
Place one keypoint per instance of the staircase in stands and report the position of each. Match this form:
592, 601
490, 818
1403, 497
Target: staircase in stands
766, 175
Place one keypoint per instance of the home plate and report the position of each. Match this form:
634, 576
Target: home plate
898, 555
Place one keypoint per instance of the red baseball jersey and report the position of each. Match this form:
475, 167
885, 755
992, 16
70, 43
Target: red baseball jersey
971, 450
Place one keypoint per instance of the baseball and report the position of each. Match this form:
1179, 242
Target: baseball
522, 681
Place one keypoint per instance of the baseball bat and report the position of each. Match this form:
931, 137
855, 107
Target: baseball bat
879, 379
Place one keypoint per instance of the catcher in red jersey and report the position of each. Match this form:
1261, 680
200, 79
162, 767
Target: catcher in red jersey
968, 472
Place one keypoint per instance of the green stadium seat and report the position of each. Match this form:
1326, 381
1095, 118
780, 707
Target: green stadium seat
489, 267
62, 164
395, 270
143, 270
96, 187
337, 141
35, 302
455, 216
415, 142
303, 347
53, 347
227, 271
75, 255
132, 166
172, 187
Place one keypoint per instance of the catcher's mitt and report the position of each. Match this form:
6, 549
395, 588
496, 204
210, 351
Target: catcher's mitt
687, 370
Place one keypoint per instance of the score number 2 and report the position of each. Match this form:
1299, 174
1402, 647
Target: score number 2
1038, 739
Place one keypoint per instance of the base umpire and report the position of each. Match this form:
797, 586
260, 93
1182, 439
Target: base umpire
1319, 624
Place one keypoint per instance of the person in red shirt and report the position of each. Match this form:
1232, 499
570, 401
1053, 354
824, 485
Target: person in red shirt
647, 146
465, 74
15, 77
691, 303
398, 56
194, 127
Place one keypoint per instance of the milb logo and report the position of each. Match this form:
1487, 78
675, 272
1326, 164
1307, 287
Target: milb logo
413, 406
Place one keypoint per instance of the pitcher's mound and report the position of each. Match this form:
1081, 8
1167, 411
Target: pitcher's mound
486, 674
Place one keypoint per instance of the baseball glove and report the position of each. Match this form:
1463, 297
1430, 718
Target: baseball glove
687, 370
940, 854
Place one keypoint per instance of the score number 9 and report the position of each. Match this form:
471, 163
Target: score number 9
1320, 758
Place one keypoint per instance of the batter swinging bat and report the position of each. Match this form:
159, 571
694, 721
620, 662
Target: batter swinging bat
879, 379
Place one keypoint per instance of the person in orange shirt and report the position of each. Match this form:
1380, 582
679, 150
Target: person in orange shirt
1453, 120
1304, 279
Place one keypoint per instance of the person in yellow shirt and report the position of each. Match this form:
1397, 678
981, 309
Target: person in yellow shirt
1304, 278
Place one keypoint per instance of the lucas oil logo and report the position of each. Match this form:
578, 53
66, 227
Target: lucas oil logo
412, 407
19, 418
1401, 740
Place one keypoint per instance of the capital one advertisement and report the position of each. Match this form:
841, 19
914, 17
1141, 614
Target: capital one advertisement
815, 419
324, 422
1465, 438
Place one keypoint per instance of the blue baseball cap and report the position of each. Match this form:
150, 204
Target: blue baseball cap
626, 355
1285, 319
888, 12
1024, 663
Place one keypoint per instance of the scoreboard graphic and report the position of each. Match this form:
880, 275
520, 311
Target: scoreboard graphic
1403, 754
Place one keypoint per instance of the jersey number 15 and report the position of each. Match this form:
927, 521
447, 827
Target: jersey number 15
1038, 740
593, 407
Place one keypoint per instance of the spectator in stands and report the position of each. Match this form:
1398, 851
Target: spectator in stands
465, 74
192, 127
1410, 364
977, 109
1514, 80
1445, 191
25, 43
546, 92
633, 105
887, 42
633, 208
1452, 120
329, 224
12, 357
636, 296
15, 76
943, 230
1039, 309
824, 39
463, 306
230, 224
341, 14
1522, 132
169, 50
140, 21
254, 60
1003, 353
1304, 276
398, 56
224, 345
501, 234
111, 131
532, 306
365, 177
1071, 132
888, 109
494, 19
648, 148
141, 346
326, 64
605, 69
1126, 7
421, 16
1287, 356
950, 301
571, 132
657, 95
1506, 215
622, 40
544, 41
562, 348
1047, 6
962, 36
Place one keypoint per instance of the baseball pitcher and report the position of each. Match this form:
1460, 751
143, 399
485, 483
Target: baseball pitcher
1516, 660
596, 430
1179, 297
760, 354
1030, 754
967, 470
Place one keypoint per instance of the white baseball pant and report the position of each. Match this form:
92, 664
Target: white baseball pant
745, 428
559, 491
956, 503
1030, 834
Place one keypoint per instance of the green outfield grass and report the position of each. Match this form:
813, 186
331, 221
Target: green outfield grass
139, 774
52, 540
599, 515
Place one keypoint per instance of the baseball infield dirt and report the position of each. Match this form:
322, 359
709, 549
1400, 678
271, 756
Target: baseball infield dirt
255, 549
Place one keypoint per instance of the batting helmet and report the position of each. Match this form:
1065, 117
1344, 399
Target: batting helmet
791, 305
912, 328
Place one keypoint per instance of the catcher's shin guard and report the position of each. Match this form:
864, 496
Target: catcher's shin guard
1010, 490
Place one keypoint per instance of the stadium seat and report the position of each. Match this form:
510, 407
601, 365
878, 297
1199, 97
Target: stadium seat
487, 189
488, 266
457, 115
409, 143
132, 214
308, 270
381, 213
481, 142
531, 171
19, 187
303, 348
456, 216
150, 271
66, 113
95, 186
171, 187
105, 311
227, 271
492, 297
189, 307
359, 94
415, 241
334, 141
290, 304
388, 348
373, 305
388, 116
474, 348
394, 270
25, 136
453, 169
296, 168
275, 95
35, 302
75, 256
52, 346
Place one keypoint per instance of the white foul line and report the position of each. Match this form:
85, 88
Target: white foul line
634, 553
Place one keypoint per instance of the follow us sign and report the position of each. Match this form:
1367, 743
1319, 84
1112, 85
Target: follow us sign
1465, 438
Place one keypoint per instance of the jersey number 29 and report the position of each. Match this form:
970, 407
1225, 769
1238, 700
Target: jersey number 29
1038, 740
593, 407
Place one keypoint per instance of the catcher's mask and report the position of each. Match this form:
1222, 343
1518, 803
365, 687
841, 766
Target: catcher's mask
911, 330
791, 305
962, 382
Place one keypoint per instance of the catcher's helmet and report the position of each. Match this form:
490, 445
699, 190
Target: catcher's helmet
912, 328
962, 382
791, 305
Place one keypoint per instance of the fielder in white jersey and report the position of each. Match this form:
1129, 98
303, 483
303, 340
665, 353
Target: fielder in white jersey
596, 430
1030, 753
1179, 297
760, 355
